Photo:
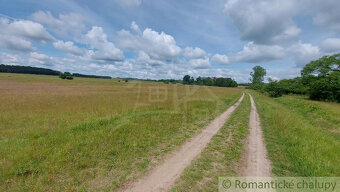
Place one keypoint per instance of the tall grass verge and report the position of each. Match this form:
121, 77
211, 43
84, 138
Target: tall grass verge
300, 136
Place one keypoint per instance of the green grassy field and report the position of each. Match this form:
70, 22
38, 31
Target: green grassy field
302, 136
302, 139
98, 134
95, 134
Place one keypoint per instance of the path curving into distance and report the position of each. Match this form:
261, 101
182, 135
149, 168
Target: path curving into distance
256, 163
162, 177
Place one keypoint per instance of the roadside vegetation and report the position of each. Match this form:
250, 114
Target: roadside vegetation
221, 157
302, 136
320, 80
95, 134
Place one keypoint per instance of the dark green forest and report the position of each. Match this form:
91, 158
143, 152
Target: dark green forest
27, 70
43, 71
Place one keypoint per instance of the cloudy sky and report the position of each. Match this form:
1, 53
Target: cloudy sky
168, 39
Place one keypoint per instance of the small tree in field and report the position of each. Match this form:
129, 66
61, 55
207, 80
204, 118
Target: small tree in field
257, 75
186, 79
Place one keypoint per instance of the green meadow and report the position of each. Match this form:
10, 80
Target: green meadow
95, 134
99, 134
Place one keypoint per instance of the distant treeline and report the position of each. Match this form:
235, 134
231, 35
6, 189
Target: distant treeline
167, 81
27, 70
209, 81
188, 80
90, 76
42, 71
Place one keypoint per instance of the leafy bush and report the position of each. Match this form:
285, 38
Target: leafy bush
257, 86
326, 88
294, 86
274, 89
65, 76
62, 75
69, 77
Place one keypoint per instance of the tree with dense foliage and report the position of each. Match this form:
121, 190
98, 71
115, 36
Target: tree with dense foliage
274, 89
186, 79
326, 88
323, 66
320, 79
322, 76
210, 81
225, 82
199, 81
257, 76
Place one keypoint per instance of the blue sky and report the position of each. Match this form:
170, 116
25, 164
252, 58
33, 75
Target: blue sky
168, 39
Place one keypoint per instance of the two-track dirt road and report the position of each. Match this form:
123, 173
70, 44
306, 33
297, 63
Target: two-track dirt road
163, 176
255, 162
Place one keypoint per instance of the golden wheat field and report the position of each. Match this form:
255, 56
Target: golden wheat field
59, 135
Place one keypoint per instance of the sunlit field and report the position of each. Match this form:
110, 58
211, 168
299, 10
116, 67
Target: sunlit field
302, 136
95, 134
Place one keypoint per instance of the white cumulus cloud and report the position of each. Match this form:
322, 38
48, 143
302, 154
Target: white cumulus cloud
221, 59
201, 63
17, 34
68, 47
26, 29
40, 59
253, 53
66, 25
15, 43
157, 45
330, 45
194, 53
104, 50
11, 59
263, 21
303, 53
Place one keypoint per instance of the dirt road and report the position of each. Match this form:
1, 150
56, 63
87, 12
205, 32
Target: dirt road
256, 162
163, 176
